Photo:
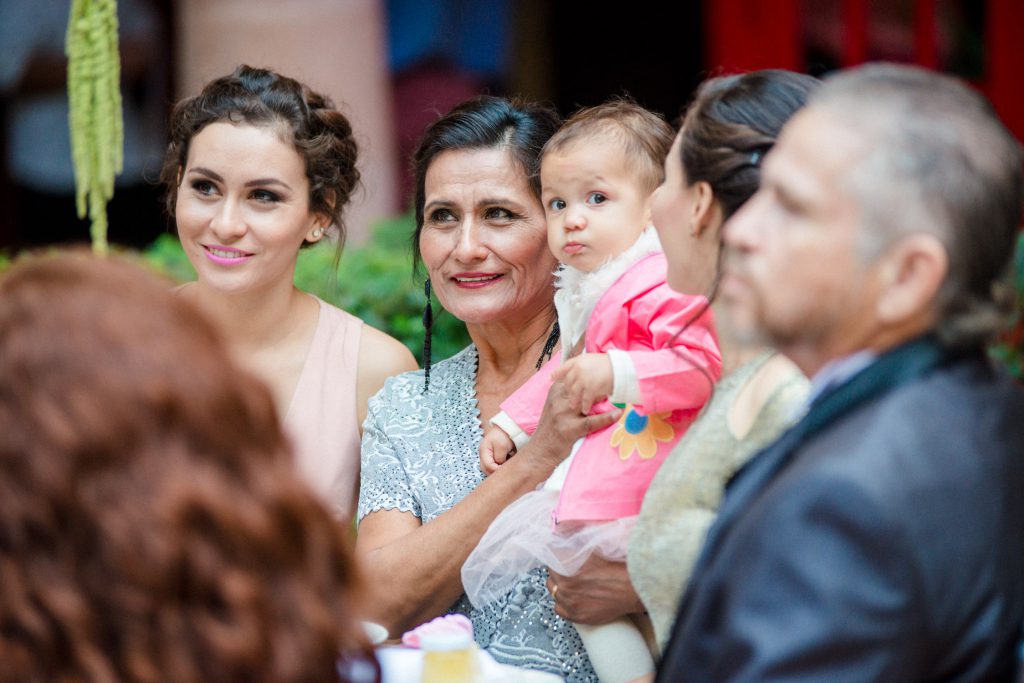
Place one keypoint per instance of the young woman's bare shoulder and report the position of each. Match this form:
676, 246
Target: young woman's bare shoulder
380, 356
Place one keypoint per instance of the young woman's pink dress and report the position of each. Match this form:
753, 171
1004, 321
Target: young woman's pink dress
322, 419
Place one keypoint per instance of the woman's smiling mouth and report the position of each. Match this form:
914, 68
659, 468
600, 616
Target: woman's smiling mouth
475, 280
226, 256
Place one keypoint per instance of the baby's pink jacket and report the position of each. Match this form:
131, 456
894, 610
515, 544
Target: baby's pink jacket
641, 315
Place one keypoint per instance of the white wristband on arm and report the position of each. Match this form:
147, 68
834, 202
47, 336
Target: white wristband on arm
505, 422
625, 385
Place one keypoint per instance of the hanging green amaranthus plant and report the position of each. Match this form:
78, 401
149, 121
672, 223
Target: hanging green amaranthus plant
94, 96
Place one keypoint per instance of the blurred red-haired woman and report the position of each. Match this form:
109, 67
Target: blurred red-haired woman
152, 527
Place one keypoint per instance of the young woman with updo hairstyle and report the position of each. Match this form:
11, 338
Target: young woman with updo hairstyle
152, 526
259, 166
714, 166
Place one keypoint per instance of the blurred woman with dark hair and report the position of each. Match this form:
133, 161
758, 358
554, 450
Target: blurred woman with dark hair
152, 527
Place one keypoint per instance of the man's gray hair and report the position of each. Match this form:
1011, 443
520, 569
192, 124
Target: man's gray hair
937, 160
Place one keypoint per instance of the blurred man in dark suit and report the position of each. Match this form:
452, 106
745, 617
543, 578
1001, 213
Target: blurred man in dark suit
882, 538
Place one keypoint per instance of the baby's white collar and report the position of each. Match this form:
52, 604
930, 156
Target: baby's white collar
578, 291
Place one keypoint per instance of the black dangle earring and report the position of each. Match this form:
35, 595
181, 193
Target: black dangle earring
549, 345
428, 326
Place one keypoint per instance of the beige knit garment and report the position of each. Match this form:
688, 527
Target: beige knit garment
684, 495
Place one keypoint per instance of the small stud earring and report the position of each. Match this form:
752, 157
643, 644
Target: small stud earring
317, 232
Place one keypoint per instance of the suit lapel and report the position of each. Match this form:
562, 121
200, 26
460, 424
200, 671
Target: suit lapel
899, 366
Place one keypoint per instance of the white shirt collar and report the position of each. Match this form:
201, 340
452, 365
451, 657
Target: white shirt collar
837, 371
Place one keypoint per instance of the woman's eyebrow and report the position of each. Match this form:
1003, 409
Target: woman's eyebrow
206, 172
268, 181
438, 202
501, 201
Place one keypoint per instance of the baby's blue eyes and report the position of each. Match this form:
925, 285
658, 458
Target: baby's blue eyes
594, 199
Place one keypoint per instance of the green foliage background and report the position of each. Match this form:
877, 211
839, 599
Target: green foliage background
374, 282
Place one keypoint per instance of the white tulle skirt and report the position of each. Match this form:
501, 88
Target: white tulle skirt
522, 537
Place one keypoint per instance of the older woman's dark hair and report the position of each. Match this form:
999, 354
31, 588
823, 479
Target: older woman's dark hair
151, 525
732, 123
484, 122
319, 132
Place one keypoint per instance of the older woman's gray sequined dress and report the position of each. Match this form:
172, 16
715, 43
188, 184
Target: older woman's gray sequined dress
420, 455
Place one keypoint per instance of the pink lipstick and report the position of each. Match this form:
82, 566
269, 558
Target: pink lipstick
226, 256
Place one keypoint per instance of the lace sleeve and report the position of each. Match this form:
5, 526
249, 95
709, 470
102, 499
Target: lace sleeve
383, 476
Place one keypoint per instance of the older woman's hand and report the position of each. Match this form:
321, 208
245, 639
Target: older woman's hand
599, 593
560, 426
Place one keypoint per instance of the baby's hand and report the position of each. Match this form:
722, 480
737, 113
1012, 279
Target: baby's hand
588, 379
495, 449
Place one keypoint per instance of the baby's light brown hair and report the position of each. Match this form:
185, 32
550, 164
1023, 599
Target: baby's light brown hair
645, 136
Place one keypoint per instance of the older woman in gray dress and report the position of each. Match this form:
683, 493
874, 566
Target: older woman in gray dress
424, 503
